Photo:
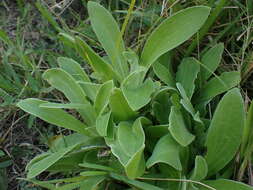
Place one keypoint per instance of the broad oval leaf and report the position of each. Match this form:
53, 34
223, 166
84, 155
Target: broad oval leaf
225, 131
172, 32
166, 151
108, 34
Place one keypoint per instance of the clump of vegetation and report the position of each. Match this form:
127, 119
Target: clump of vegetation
138, 124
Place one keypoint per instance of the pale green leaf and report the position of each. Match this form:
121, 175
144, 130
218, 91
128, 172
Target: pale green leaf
108, 34
48, 161
102, 68
172, 32
90, 89
120, 107
164, 74
200, 170
211, 60
166, 151
103, 124
64, 82
216, 86
137, 92
187, 73
72, 67
225, 131
178, 128
128, 146
54, 116
103, 96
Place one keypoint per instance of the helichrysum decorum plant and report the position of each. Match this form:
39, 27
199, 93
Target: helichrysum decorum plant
135, 132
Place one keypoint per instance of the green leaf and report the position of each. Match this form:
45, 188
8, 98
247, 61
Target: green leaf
63, 106
224, 184
216, 86
166, 151
96, 166
128, 146
64, 82
172, 32
187, 73
225, 131
120, 107
137, 92
186, 103
92, 183
103, 96
211, 60
161, 106
108, 34
54, 116
200, 169
48, 161
135, 183
164, 74
73, 68
178, 128
103, 69
90, 89
103, 124
93, 173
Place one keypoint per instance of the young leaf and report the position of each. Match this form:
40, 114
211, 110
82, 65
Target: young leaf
103, 124
103, 95
73, 68
187, 73
178, 128
137, 92
166, 151
128, 147
172, 32
90, 89
64, 82
216, 86
225, 131
108, 34
164, 74
92, 183
104, 70
224, 184
48, 161
211, 60
54, 116
119, 106
200, 169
